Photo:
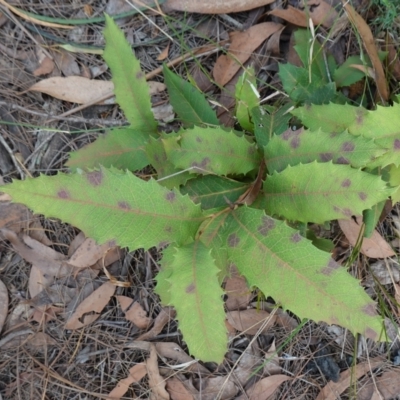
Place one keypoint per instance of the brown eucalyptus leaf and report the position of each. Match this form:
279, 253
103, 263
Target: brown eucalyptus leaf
265, 388
136, 373
250, 321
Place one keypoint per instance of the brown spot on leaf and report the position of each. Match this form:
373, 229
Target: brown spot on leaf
359, 116
123, 205
267, 224
94, 177
170, 196
331, 267
342, 160
139, 75
199, 139
396, 144
63, 194
202, 164
362, 195
348, 146
112, 243
233, 240
346, 183
168, 229
162, 244
326, 157
370, 310
296, 237
336, 209
295, 142
371, 333
191, 288
347, 212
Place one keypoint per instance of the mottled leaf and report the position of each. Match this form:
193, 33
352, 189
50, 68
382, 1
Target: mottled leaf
188, 102
213, 191
130, 86
319, 192
121, 148
287, 267
112, 205
215, 151
197, 297
303, 146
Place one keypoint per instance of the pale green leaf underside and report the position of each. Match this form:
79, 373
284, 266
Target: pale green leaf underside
319, 192
213, 191
121, 148
190, 104
130, 86
112, 205
304, 146
215, 151
296, 274
197, 298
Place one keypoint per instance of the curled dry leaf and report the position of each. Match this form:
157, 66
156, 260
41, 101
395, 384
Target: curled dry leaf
3, 304
90, 308
215, 6
136, 373
374, 247
333, 390
134, 312
80, 90
242, 46
250, 321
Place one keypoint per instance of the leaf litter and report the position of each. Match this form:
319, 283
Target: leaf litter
50, 264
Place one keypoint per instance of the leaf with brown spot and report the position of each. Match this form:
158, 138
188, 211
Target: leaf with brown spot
375, 246
242, 46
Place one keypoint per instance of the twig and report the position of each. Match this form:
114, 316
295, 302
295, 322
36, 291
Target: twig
11, 154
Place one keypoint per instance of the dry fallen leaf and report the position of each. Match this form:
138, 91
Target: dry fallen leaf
156, 381
250, 321
321, 13
77, 89
238, 292
292, 15
266, 387
164, 54
215, 6
90, 308
374, 246
389, 383
242, 46
136, 373
165, 315
134, 312
3, 304
177, 390
333, 390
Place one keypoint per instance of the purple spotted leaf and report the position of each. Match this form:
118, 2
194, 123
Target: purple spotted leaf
319, 192
196, 295
112, 205
304, 146
121, 148
297, 275
214, 151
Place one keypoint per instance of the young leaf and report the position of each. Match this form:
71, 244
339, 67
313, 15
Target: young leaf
304, 146
318, 192
213, 191
214, 151
190, 104
112, 205
269, 121
197, 298
247, 97
130, 86
302, 278
121, 148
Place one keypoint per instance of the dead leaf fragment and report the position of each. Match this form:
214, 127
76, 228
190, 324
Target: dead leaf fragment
242, 46
45, 67
156, 381
250, 321
90, 308
238, 292
164, 54
215, 6
265, 388
177, 390
292, 15
136, 373
374, 246
134, 312
161, 320
321, 13
3, 304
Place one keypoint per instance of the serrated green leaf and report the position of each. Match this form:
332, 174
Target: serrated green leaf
197, 298
188, 102
305, 146
247, 97
121, 148
214, 150
371, 218
345, 75
213, 191
297, 275
130, 86
319, 192
168, 175
394, 180
165, 275
112, 205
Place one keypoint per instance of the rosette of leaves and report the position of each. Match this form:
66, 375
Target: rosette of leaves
221, 197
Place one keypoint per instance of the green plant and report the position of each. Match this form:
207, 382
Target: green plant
213, 204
